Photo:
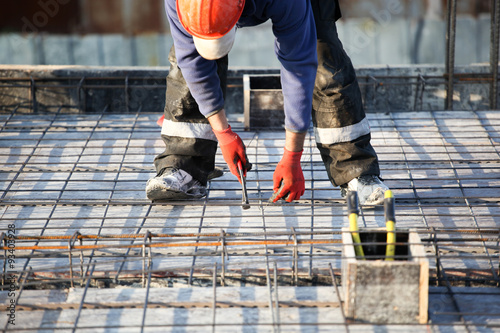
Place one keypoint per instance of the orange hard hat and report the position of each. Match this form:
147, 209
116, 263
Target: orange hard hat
209, 19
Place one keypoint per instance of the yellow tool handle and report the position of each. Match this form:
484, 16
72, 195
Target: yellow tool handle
353, 227
390, 250
390, 224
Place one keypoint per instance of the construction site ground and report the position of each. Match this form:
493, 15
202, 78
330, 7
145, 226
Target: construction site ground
90, 253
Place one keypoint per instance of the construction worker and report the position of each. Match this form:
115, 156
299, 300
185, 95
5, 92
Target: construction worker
316, 74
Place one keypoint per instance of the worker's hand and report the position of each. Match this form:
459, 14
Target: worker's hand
233, 151
288, 177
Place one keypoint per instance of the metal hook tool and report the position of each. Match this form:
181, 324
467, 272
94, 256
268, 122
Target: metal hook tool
244, 198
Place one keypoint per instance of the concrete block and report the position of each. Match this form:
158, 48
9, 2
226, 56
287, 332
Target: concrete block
165, 43
117, 50
385, 292
360, 41
394, 89
466, 48
5, 57
17, 49
147, 49
394, 44
483, 37
370, 8
341, 30
88, 51
57, 50
254, 46
430, 42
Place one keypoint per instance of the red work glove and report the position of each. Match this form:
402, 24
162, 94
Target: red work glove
288, 177
233, 150
160, 121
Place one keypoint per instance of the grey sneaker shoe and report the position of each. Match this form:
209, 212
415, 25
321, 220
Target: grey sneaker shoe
174, 184
369, 187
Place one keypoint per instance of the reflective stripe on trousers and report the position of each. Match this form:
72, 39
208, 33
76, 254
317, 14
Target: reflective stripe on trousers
188, 130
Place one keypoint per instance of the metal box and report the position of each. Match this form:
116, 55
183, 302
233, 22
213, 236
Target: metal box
263, 102
385, 292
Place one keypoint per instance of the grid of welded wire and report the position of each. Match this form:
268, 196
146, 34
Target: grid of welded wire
478, 242
121, 167
121, 135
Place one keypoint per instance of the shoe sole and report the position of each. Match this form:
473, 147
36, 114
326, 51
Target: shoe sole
156, 195
216, 173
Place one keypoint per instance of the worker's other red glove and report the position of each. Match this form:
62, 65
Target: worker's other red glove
288, 177
161, 120
233, 150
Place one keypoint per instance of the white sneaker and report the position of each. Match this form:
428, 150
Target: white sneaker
174, 184
370, 189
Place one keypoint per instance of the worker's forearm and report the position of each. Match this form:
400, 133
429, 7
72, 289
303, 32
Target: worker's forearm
294, 141
218, 121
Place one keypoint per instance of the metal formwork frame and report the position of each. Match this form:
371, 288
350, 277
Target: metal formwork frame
451, 22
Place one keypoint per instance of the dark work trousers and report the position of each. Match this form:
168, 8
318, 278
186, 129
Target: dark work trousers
341, 130
193, 149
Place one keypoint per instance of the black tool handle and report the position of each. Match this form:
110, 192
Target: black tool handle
352, 202
244, 198
389, 209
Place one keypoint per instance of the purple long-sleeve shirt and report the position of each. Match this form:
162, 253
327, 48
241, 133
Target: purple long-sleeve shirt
295, 46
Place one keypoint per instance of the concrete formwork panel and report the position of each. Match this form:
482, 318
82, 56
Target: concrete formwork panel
378, 291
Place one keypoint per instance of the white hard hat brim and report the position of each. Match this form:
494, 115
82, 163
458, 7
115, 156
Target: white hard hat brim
213, 49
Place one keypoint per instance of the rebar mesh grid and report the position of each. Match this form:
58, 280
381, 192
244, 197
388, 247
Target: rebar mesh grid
72, 192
